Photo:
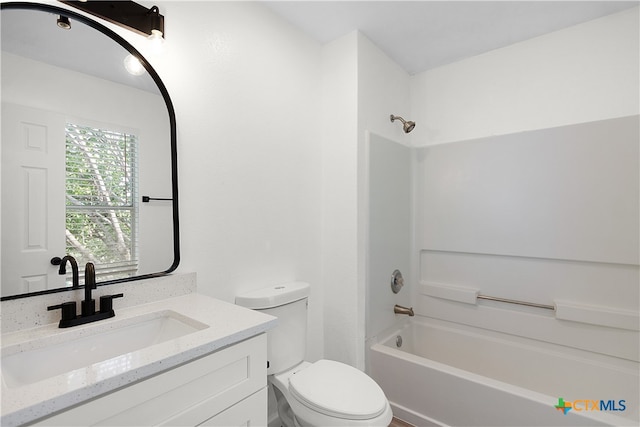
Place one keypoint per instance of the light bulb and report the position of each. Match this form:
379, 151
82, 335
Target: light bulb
133, 65
155, 42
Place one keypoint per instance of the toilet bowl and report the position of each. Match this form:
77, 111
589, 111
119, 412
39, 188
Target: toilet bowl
329, 393
323, 393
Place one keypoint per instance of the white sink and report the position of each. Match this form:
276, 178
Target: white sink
83, 346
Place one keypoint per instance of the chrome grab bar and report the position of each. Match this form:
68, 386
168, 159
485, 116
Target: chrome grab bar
512, 301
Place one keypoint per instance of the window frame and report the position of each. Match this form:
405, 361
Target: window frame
120, 268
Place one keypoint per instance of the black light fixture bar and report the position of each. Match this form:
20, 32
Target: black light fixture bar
127, 14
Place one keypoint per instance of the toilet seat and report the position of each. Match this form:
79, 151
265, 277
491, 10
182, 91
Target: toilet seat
337, 390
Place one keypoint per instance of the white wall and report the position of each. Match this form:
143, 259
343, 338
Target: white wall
246, 92
535, 194
339, 199
583, 73
361, 88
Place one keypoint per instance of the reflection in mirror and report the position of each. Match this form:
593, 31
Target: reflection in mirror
82, 141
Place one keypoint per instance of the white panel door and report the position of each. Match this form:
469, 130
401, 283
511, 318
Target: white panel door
33, 198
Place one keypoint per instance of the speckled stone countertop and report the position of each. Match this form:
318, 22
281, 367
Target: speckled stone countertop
223, 324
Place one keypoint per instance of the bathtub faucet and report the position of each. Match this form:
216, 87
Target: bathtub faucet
398, 309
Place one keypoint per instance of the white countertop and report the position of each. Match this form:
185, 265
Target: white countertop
227, 325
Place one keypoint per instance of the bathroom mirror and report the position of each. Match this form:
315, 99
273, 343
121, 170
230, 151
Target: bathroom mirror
88, 154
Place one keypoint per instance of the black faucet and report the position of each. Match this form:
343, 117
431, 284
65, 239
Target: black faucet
88, 307
88, 312
63, 268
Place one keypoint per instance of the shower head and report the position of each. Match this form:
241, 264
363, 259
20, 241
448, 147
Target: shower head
406, 126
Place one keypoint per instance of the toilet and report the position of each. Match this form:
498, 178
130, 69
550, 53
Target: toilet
322, 393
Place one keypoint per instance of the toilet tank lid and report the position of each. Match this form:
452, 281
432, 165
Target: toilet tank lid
274, 296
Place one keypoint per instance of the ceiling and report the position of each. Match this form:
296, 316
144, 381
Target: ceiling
420, 35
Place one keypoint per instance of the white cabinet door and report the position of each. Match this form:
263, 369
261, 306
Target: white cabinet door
250, 412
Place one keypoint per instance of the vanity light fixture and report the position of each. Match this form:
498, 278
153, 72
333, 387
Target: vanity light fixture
63, 22
127, 14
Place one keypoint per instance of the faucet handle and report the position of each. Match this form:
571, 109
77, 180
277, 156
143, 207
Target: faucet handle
90, 275
68, 309
397, 281
106, 302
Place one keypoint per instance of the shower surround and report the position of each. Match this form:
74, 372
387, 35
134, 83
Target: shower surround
547, 217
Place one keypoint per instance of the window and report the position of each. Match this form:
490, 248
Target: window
101, 200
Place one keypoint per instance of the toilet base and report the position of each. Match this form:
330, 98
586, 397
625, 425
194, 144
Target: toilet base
285, 413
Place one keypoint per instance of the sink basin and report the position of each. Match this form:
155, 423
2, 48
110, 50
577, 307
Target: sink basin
43, 358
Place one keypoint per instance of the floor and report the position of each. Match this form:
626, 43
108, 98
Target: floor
395, 422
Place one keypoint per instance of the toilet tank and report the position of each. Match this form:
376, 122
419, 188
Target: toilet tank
286, 343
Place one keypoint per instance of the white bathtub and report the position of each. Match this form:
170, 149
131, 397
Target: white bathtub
449, 374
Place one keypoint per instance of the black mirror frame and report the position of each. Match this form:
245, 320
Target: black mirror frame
172, 122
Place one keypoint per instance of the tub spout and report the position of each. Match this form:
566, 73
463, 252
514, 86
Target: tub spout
398, 309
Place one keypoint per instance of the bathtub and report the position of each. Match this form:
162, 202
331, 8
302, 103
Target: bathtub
445, 374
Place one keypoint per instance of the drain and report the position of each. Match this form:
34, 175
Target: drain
398, 341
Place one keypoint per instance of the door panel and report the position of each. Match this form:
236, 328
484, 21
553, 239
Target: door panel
33, 207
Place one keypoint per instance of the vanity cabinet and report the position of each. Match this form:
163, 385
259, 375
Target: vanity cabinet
226, 387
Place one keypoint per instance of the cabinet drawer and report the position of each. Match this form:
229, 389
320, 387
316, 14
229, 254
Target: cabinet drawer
186, 395
252, 411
